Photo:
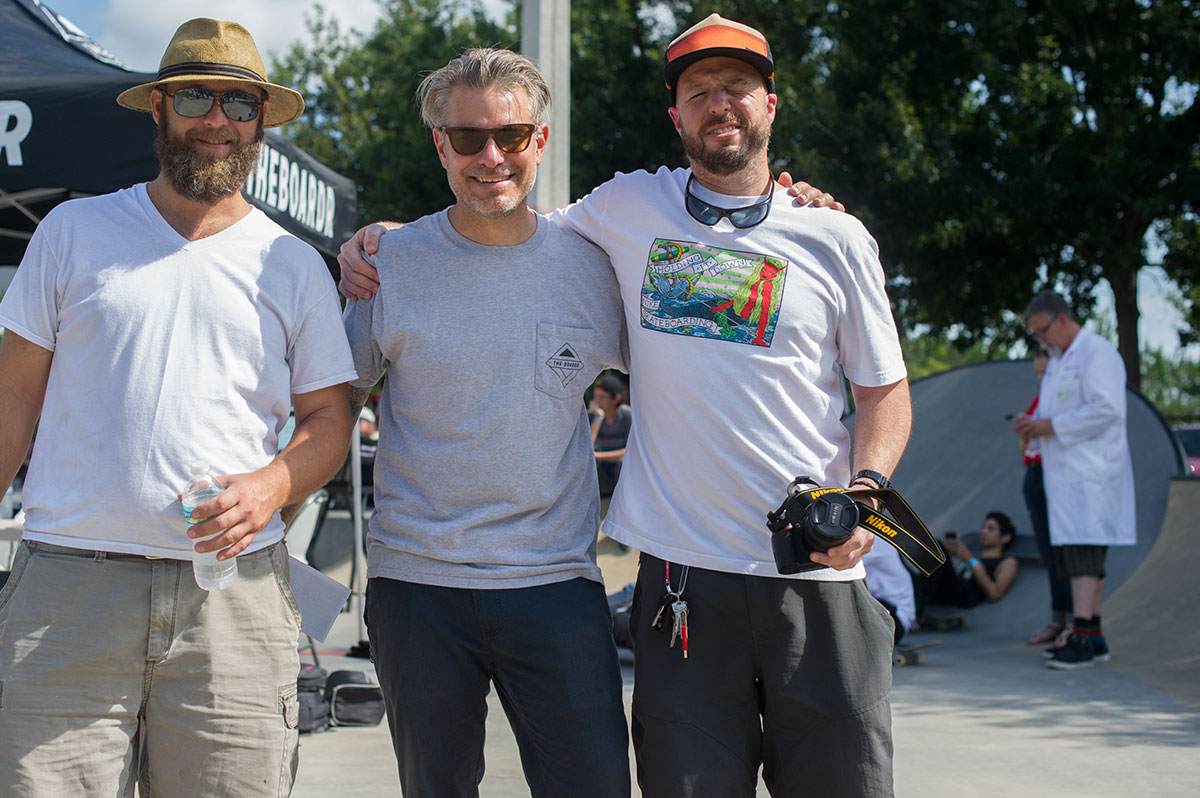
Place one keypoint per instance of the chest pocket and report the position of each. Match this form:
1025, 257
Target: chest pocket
1067, 394
565, 363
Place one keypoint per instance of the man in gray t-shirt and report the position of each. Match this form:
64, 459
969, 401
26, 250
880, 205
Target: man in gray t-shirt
481, 554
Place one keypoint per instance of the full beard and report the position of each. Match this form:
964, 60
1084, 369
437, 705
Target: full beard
200, 177
727, 160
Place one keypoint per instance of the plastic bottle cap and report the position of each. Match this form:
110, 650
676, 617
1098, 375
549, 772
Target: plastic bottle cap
198, 470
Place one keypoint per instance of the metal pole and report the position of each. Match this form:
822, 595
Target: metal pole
546, 40
358, 589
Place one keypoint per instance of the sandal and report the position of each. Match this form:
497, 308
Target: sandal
1047, 634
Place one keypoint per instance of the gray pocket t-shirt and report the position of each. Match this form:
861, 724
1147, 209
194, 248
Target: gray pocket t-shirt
485, 475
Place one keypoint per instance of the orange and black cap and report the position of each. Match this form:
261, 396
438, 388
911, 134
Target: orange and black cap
716, 36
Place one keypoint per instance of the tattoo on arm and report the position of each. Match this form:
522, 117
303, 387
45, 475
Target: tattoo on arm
358, 398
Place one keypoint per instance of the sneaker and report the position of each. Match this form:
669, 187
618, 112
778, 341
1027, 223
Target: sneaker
1059, 641
1100, 649
1076, 654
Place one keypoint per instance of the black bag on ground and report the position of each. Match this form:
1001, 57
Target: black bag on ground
354, 698
620, 604
314, 707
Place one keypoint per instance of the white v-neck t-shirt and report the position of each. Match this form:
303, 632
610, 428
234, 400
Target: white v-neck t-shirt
167, 352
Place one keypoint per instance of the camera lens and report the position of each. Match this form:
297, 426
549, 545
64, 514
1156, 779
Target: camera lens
830, 521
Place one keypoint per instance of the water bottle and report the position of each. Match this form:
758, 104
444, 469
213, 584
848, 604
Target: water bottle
211, 573
7, 509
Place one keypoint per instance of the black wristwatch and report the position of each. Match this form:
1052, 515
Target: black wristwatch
874, 476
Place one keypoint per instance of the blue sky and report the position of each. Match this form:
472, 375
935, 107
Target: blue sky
136, 31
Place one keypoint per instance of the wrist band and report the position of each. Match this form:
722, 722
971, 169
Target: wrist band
973, 562
882, 482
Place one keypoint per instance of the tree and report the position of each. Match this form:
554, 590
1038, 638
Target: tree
925, 355
361, 119
1172, 384
360, 115
997, 147
993, 147
1130, 159
618, 101
1182, 261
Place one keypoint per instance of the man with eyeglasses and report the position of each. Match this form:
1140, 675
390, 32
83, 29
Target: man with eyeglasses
490, 324
167, 325
744, 310
1079, 425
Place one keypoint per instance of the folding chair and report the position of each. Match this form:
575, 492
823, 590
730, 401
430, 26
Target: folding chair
302, 534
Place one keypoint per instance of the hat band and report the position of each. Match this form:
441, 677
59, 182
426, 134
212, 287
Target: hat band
706, 39
214, 70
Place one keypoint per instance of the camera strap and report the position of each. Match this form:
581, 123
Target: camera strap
906, 532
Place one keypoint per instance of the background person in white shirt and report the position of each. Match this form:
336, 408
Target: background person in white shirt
1087, 469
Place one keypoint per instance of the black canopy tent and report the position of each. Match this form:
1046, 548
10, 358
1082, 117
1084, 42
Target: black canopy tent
63, 135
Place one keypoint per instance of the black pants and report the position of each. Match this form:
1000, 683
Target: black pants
944, 586
1039, 518
793, 675
549, 652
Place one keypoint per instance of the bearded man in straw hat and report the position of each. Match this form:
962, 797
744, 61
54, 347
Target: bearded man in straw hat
166, 325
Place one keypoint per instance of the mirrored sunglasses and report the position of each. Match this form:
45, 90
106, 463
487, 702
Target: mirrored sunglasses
239, 106
709, 214
470, 140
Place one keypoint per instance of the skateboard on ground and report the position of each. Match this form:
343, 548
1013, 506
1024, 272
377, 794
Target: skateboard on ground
942, 622
910, 655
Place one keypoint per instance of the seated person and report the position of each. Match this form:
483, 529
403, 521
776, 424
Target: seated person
892, 586
966, 580
611, 420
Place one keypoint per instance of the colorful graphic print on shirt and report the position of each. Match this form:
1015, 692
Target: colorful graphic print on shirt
708, 292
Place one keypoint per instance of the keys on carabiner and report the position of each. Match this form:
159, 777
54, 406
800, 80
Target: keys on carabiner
679, 609
673, 600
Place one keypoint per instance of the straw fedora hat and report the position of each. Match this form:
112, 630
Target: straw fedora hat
208, 49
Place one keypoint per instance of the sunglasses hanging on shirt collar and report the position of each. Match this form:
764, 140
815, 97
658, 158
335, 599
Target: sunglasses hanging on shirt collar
741, 218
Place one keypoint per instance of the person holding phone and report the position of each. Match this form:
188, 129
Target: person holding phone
972, 579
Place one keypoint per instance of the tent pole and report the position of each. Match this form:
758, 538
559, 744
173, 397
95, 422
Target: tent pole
358, 589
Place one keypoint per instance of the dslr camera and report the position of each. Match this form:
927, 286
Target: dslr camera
809, 520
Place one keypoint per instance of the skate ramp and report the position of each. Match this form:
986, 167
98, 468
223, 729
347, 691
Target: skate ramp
964, 460
1150, 617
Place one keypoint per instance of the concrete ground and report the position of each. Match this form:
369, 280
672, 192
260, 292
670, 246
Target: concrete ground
980, 716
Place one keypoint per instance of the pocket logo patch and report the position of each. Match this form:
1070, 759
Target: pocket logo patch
565, 364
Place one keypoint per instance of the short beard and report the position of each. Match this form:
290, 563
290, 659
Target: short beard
727, 160
202, 178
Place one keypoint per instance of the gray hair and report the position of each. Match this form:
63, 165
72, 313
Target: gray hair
483, 68
1050, 304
